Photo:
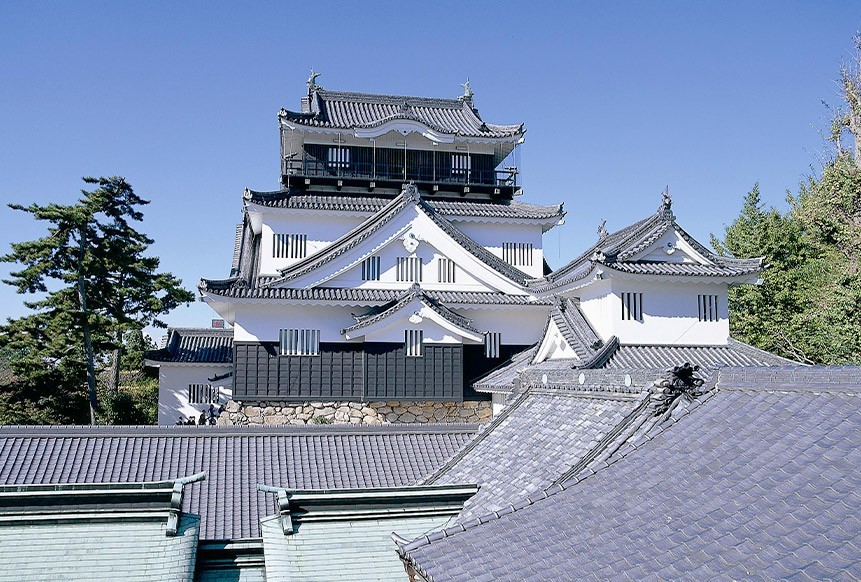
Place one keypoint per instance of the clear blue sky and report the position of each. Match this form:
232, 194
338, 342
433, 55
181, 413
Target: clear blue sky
619, 100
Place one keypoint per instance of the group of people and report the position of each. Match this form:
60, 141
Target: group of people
207, 416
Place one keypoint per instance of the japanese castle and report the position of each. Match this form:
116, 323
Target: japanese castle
396, 276
595, 421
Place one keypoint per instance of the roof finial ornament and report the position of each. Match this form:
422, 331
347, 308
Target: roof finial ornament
467, 91
666, 210
312, 81
602, 229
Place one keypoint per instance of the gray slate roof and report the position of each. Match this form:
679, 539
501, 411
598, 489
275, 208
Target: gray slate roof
535, 442
195, 345
342, 110
615, 251
236, 459
757, 479
496, 208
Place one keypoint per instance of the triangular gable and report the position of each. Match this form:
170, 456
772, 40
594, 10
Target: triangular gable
409, 311
568, 335
407, 215
671, 247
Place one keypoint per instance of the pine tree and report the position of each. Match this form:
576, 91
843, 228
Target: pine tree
94, 281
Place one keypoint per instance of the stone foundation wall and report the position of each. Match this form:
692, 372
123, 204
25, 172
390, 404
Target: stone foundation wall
274, 413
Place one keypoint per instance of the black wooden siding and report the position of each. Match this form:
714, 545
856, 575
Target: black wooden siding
362, 372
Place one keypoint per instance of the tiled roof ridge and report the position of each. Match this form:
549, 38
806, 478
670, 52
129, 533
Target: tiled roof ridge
201, 331
182, 431
791, 378
415, 292
484, 431
575, 328
524, 357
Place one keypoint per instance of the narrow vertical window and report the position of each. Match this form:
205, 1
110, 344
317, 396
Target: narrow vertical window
338, 157
299, 342
289, 246
445, 270
460, 166
517, 254
413, 339
707, 307
492, 341
203, 393
632, 306
371, 269
409, 269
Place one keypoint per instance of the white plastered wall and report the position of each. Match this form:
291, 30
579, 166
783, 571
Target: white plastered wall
322, 231
173, 382
670, 313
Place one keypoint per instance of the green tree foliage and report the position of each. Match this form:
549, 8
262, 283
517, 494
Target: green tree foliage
807, 307
94, 284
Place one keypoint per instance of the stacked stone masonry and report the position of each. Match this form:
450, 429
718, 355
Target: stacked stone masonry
275, 413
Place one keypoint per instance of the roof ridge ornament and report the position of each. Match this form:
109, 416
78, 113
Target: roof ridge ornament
666, 209
602, 229
467, 91
680, 383
312, 81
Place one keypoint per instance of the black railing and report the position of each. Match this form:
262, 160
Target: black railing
419, 173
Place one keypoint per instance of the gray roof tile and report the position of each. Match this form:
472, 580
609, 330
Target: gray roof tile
342, 110
758, 477
195, 345
236, 459
453, 209
534, 442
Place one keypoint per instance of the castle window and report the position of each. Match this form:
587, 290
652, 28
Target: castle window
413, 339
338, 158
460, 165
632, 306
202, 394
517, 254
446, 270
289, 246
371, 269
707, 307
492, 341
300, 342
409, 269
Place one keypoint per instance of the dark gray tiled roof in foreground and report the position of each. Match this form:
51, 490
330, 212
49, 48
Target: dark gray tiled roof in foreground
534, 442
196, 345
235, 459
343, 110
452, 209
757, 479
